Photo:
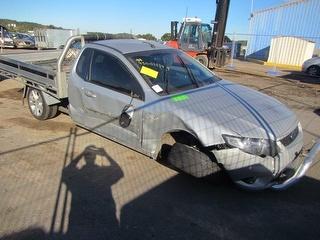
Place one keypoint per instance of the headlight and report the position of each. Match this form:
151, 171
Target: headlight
255, 146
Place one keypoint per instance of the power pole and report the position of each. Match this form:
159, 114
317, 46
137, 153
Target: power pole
2, 40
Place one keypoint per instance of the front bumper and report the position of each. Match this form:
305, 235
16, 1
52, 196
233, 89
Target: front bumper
283, 183
304, 68
24, 45
255, 173
7, 45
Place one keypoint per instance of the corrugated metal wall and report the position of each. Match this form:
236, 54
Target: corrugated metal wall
290, 51
298, 18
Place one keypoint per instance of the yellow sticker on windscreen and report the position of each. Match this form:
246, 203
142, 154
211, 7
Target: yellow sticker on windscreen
149, 72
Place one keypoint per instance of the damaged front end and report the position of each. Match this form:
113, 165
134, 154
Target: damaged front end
257, 172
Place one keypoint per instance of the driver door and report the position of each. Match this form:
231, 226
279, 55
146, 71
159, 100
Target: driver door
108, 92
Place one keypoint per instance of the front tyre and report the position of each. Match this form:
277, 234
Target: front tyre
37, 104
191, 160
313, 71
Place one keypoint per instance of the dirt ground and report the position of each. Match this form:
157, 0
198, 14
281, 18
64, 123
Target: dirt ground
50, 188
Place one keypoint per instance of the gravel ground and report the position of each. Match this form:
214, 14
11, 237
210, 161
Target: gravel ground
51, 188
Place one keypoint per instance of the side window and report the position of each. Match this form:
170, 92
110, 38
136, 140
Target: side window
108, 71
190, 36
84, 64
206, 32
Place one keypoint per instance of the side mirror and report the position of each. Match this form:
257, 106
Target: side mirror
126, 116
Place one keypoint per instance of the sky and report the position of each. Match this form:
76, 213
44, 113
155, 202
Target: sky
138, 16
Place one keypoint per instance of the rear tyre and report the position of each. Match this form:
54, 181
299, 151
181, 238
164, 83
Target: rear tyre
53, 111
313, 71
37, 104
203, 59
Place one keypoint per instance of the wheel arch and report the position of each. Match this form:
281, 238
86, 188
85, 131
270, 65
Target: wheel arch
177, 135
50, 100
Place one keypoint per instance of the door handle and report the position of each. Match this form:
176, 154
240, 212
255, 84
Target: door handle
89, 93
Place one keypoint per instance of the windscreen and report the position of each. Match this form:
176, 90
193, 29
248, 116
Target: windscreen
171, 71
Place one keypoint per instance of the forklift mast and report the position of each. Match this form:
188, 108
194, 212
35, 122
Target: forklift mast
174, 30
217, 54
220, 23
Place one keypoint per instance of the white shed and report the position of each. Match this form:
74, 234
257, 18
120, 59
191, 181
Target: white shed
290, 51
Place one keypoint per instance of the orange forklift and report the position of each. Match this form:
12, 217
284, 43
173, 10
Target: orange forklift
199, 41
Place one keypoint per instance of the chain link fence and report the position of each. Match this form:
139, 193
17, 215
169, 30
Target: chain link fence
284, 36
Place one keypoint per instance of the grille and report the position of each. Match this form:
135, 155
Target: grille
290, 138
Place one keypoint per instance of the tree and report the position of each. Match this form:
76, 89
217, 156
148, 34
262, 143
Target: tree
24, 26
166, 37
147, 36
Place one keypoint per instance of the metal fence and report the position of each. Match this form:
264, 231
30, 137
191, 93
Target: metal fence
285, 35
78, 185
258, 46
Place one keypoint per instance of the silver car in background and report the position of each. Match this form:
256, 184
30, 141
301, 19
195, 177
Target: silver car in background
312, 66
23, 40
5, 38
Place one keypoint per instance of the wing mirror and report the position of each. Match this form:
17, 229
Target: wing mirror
127, 112
126, 116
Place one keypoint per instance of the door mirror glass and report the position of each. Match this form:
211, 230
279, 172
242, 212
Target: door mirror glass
126, 116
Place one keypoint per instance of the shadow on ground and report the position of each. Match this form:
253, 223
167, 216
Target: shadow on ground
92, 205
2, 78
301, 77
180, 208
186, 208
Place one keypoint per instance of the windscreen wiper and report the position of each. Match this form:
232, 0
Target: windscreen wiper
193, 79
165, 79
